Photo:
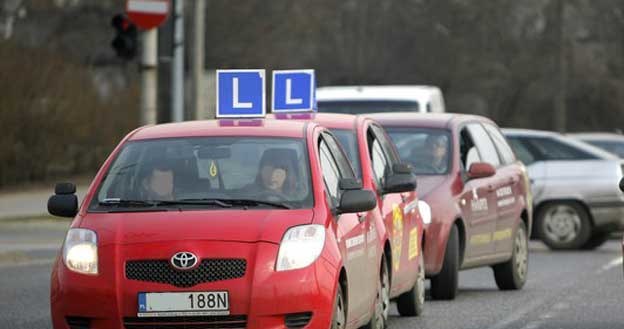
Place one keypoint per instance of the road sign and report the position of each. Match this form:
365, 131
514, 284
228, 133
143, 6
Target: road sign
241, 93
293, 91
147, 14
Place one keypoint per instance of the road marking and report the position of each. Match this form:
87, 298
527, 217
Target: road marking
519, 314
615, 262
533, 325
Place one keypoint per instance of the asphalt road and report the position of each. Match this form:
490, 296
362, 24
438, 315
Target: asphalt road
581, 290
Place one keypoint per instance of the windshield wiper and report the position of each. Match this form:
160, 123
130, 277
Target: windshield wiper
253, 202
200, 202
123, 202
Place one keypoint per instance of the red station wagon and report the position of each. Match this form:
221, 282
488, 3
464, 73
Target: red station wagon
478, 193
230, 223
376, 162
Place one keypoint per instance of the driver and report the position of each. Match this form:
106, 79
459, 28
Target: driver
158, 183
275, 177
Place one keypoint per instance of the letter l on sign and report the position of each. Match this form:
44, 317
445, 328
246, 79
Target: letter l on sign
235, 102
289, 99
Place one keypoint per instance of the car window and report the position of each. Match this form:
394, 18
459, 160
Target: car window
378, 158
387, 145
346, 171
486, 148
552, 149
427, 150
330, 171
347, 140
266, 169
504, 150
367, 106
468, 150
522, 151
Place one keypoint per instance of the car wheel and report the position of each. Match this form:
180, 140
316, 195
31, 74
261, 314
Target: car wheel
444, 285
339, 320
512, 274
382, 301
412, 303
596, 240
563, 225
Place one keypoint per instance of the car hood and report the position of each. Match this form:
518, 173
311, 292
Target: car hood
426, 184
238, 225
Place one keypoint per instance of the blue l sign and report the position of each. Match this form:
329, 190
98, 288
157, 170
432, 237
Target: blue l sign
294, 91
240, 93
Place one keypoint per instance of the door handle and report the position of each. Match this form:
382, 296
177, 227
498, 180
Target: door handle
491, 187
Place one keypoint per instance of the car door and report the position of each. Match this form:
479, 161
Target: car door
508, 193
391, 205
351, 228
400, 226
478, 202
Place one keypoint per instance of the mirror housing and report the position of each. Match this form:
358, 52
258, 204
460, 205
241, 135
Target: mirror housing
64, 202
400, 182
402, 168
353, 201
481, 170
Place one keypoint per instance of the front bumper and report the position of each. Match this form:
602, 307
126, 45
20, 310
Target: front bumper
262, 298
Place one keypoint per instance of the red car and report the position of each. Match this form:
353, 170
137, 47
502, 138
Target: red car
478, 193
375, 160
230, 223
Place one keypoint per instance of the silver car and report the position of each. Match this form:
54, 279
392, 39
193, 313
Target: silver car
575, 190
610, 142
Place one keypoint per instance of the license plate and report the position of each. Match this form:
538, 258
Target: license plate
183, 303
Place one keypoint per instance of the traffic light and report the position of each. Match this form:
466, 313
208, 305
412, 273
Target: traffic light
125, 42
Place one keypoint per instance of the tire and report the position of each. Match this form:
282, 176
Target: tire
444, 285
379, 320
596, 240
512, 274
412, 303
563, 225
339, 319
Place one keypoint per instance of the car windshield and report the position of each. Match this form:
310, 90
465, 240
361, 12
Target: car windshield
207, 172
348, 142
427, 150
367, 106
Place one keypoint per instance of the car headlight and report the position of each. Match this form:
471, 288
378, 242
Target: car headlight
300, 247
80, 251
425, 211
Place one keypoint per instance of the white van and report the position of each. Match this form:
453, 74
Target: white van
372, 99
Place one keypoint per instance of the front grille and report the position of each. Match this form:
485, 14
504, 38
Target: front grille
187, 322
76, 322
298, 320
209, 270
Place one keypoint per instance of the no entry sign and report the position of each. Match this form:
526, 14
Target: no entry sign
147, 14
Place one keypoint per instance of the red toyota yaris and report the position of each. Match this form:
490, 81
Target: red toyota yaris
220, 224
375, 160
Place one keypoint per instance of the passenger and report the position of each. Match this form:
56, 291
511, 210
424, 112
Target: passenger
276, 173
158, 183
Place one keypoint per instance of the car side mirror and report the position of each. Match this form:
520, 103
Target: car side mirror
622, 184
353, 201
481, 170
64, 202
400, 182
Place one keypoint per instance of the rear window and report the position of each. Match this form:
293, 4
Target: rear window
616, 148
224, 168
367, 106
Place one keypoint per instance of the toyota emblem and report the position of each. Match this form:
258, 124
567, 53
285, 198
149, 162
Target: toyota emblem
184, 260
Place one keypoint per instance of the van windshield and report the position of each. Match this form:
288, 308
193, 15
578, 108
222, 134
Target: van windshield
367, 106
206, 172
